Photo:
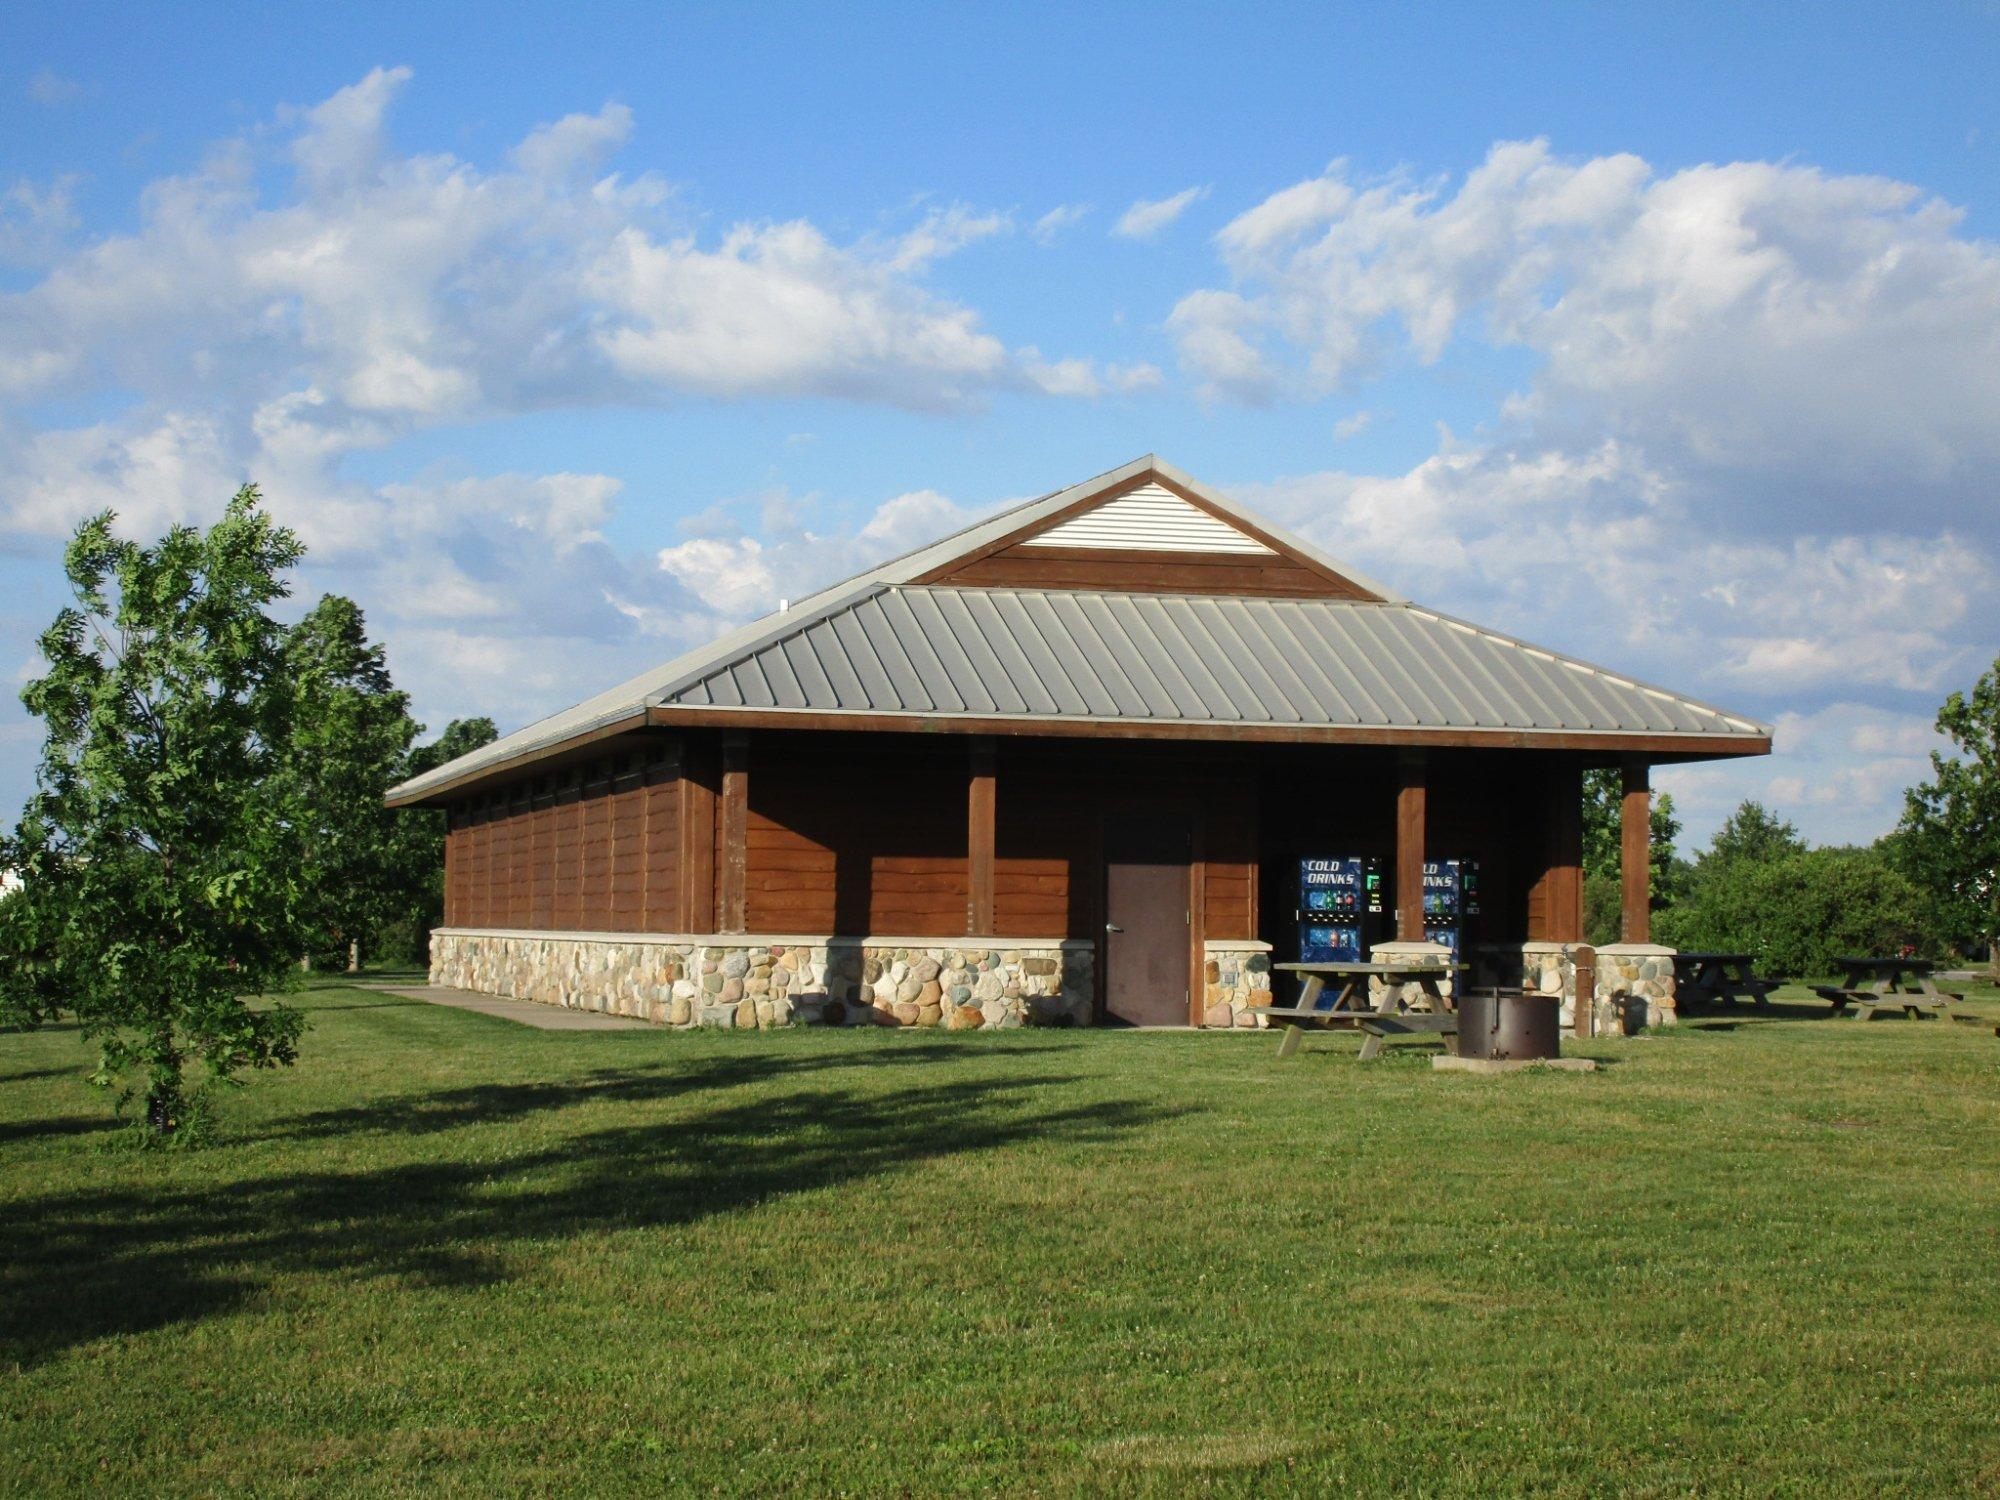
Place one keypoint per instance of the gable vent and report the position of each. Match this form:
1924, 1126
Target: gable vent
1149, 519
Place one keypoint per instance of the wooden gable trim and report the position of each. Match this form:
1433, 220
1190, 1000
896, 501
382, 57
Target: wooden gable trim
1122, 570
1018, 545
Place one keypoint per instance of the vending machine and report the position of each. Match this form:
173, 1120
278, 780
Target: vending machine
1341, 908
1451, 902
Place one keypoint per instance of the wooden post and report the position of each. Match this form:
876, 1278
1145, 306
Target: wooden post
1583, 980
1563, 880
980, 805
696, 861
1635, 833
1410, 846
735, 815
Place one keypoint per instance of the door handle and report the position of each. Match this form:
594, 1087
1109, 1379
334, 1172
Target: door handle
1112, 927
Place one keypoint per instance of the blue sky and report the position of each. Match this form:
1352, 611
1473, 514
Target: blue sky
1670, 337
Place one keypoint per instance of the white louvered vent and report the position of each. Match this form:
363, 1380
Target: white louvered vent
1149, 519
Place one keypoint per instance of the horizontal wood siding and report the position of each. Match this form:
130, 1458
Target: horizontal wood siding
1042, 839
856, 834
1229, 858
855, 843
1135, 571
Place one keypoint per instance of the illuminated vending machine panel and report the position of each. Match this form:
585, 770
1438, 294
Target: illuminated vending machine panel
1451, 900
1340, 908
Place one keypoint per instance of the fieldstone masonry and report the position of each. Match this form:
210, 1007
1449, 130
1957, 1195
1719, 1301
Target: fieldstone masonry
755, 981
1635, 981
1417, 955
1237, 979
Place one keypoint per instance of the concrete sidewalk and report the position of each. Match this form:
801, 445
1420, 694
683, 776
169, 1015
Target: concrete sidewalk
527, 1012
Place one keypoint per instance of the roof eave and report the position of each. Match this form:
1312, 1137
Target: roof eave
1689, 744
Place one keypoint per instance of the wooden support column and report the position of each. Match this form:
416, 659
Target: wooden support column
1410, 847
1635, 833
981, 800
696, 862
1567, 865
733, 877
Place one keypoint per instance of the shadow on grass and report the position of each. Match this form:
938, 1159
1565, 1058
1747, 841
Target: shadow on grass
1775, 1010
33, 1074
78, 1266
55, 1125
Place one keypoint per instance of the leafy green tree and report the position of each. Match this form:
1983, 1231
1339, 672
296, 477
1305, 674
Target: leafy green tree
1801, 913
1603, 854
418, 854
1719, 908
1949, 838
157, 860
1752, 832
351, 732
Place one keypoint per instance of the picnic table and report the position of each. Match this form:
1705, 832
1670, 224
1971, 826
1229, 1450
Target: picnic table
1720, 978
1350, 1006
1875, 986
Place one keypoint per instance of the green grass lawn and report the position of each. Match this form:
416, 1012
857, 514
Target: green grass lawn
448, 1254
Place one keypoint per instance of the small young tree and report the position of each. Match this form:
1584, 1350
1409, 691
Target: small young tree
157, 865
351, 730
1949, 839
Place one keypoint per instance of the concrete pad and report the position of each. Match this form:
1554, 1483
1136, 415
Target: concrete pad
1511, 1064
527, 1012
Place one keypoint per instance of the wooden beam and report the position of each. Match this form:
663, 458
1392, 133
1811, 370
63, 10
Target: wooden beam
1636, 855
980, 805
1657, 747
733, 896
1410, 847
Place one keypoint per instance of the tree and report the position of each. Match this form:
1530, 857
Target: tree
157, 863
418, 851
1753, 832
351, 732
1604, 854
1801, 912
1949, 837
1721, 905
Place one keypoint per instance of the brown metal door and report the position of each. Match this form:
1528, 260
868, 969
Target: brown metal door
1146, 920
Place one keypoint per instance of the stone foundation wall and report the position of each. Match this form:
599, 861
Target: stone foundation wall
1237, 977
751, 981
1635, 981
1416, 955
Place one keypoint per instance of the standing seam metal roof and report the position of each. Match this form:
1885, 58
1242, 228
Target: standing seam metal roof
1171, 658
880, 643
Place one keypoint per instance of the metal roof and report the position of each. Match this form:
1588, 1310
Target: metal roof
877, 643
1181, 659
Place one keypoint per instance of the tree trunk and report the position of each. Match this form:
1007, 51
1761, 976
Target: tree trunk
164, 1100
305, 963
354, 955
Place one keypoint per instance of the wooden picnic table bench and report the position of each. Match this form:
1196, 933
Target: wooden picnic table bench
1380, 1029
1721, 978
1350, 1005
1878, 986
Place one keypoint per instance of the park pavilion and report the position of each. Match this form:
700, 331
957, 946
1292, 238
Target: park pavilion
1077, 763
